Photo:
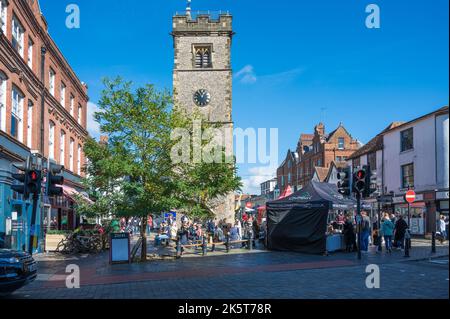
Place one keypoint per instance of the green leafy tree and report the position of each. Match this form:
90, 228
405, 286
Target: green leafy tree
134, 174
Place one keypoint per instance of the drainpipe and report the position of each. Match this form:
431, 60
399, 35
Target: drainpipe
43, 52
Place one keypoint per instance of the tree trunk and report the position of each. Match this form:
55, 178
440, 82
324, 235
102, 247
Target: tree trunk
144, 239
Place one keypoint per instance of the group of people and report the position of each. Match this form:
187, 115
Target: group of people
392, 229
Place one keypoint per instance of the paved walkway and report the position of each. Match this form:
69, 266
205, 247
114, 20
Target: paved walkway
95, 270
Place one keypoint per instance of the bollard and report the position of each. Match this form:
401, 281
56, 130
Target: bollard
204, 246
433, 242
407, 243
227, 244
179, 253
249, 244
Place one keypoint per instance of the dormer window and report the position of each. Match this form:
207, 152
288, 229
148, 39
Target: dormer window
202, 56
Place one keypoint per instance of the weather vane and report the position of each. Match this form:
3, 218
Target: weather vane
188, 8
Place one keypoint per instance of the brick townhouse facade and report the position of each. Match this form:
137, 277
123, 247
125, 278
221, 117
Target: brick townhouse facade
43, 104
316, 150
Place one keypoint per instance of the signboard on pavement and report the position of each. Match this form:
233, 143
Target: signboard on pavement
119, 248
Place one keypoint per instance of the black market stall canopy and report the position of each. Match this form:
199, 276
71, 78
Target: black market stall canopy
299, 222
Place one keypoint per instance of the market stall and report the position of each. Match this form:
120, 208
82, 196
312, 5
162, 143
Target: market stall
299, 222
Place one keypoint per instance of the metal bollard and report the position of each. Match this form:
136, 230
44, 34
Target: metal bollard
433, 242
407, 243
249, 244
227, 244
205, 246
179, 253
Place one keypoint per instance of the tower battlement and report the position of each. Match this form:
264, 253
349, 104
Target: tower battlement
208, 21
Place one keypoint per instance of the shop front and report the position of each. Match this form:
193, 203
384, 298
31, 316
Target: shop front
442, 206
420, 214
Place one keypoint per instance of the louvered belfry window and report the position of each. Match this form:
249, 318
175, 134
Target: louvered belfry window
203, 57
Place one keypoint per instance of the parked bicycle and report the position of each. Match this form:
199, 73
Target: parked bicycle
77, 243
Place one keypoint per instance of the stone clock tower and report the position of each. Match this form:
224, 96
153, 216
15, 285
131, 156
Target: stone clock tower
202, 76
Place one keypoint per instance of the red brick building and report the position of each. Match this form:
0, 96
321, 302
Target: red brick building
316, 150
43, 104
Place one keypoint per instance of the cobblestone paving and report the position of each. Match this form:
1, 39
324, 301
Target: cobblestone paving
416, 280
263, 275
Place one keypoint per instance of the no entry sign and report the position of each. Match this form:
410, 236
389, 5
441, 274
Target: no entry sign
410, 197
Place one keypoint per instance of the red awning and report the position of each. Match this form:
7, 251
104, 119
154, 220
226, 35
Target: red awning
71, 193
287, 192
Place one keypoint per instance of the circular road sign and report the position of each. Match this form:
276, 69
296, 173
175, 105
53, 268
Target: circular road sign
410, 196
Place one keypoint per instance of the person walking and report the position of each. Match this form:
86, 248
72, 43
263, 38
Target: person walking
349, 235
365, 232
387, 231
149, 224
238, 227
442, 229
399, 232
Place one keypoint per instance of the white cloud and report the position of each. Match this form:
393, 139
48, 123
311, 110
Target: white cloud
246, 75
255, 177
92, 126
284, 76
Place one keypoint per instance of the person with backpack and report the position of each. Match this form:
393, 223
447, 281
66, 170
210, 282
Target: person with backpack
387, 231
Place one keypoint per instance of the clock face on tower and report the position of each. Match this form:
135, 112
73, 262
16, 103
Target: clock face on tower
202, 97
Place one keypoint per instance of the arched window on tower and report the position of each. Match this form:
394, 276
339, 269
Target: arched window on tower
203, 57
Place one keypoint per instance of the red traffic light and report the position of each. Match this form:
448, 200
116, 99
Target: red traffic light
361, 174
34, 176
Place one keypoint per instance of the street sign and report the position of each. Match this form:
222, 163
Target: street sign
249, 205
410, 197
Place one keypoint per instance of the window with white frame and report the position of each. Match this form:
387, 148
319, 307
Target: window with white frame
2, 102
341, 143
3, 15
63, 94
51, 82
17, 114
72, 104
71, 150
79, 160
30, 53
62, 148
51, 140
30, 124
80, 112
17, 36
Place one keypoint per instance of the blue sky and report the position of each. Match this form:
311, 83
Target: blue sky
296, 62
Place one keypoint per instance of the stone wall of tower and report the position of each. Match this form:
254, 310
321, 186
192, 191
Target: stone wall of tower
217, 80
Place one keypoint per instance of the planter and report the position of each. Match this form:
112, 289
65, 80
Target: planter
52, 241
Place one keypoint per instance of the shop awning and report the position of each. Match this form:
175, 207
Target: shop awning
287, 192
71, 193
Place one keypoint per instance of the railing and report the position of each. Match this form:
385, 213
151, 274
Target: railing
204, 244
213, 15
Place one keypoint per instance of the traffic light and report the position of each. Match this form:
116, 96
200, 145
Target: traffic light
371, 182
21, 178
344, 182
34, 182
359, 181
53, 179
